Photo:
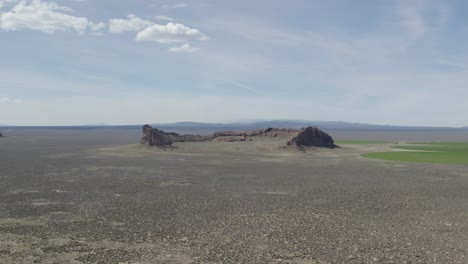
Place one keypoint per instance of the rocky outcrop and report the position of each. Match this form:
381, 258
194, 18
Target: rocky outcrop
154, 137
228, 134
273, 132
312, 137
306, 137
231, 139
1, 135
175, 137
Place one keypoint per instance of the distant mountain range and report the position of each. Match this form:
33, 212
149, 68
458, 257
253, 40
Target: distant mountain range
330, 125
96, 125
338, 125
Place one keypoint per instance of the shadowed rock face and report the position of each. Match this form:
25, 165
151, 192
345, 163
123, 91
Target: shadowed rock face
231, 138
187, 138
1, 135
312, 137
273, 132
228, 134
154, 137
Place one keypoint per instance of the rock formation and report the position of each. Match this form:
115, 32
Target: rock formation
154, 137
1, 135
175, 137
228, 134
312, 137
273, 132
231, 138
306, 137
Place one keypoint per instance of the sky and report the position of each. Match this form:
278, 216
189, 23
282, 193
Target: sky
74, 62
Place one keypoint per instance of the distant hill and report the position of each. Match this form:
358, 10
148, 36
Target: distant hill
338, 125
96, 125
199, 126
191, 124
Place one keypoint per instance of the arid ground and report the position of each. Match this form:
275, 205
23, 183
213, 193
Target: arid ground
97, 196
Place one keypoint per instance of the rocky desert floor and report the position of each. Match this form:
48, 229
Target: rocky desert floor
88, 197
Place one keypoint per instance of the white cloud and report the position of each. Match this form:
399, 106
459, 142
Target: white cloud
184, 48
133, 23
170, 33
96, 26
41, 16
164, 18
150, 31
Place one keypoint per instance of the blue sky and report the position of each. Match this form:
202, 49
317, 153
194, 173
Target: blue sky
71, 62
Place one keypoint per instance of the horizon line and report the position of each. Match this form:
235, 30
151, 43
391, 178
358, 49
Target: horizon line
235, 123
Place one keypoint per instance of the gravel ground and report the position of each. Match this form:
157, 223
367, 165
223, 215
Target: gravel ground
98, 198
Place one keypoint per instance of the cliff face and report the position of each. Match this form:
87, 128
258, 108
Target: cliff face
273, 132
154, 137
312, 137
187, 138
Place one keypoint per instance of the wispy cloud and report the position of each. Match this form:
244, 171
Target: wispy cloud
10, 100
131, 24
184, 48
420, 17
6, 2
164, 18
412, 18
175, 6
170, 33
97, 26
117, 109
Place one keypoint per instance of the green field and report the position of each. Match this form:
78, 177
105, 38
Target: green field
427, 152
360, 142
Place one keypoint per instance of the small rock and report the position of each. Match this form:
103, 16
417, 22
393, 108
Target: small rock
38, 252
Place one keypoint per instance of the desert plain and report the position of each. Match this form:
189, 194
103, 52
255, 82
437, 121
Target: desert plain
98, 196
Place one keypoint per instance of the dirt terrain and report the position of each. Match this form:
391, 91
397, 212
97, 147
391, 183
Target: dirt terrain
70, 196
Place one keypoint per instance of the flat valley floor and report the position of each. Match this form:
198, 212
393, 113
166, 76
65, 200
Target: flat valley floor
96, 196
